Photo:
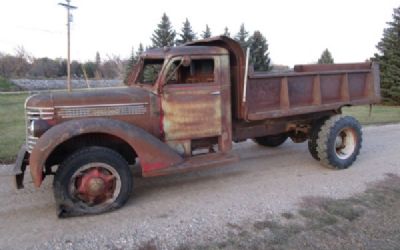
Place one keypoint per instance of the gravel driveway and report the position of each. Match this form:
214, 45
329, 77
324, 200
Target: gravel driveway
197, 207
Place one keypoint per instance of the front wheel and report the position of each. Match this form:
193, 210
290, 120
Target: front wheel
339, 141
91, 181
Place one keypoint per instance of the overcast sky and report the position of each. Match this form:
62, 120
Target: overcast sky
297, 31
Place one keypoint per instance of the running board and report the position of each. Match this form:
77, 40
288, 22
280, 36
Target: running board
194, 163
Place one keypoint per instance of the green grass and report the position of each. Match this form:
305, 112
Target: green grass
6, 85
380, 114
12, 126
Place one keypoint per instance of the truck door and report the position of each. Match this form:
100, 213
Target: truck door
191, 100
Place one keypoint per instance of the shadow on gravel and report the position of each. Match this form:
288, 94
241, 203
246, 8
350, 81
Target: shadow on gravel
370, 220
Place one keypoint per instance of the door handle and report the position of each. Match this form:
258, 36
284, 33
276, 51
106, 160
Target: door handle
215, 93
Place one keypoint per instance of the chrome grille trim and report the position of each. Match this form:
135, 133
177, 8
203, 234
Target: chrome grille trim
35, 113
94, 111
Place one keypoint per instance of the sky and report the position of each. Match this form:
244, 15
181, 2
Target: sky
297, 31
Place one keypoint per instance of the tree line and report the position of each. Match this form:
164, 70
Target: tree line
22, 64
166, 36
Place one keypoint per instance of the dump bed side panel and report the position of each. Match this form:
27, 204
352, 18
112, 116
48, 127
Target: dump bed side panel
306, 90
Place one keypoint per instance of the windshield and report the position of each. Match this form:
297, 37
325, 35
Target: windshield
150, 70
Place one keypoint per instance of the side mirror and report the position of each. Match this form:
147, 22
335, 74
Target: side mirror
186, 61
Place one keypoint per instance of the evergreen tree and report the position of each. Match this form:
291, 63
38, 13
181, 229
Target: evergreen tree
226, 32
164, 35
389, 60
206, 33
326, 57
187, 34
129, 65
98, 59
242, 37
98, 72
139, 52
259, 55
133, 59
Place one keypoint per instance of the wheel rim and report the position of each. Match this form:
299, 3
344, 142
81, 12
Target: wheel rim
95, 184
345, 143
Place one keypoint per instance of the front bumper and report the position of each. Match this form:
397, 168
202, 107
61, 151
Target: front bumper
20, 167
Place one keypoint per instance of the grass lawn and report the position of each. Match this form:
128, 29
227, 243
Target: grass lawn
12, 123
6, 85
379, 115
12, 126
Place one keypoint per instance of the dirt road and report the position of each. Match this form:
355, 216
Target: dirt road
196, 207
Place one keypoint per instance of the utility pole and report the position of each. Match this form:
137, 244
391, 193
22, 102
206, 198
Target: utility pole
69, 7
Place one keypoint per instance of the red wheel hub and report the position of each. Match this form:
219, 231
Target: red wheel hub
96, 185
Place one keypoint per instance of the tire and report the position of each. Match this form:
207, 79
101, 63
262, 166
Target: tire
312, 141
339, 141
271, 140
92, 180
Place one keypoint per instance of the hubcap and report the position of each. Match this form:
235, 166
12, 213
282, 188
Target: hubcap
96, 184
345, 143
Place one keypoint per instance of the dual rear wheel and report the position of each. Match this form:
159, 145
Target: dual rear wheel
334, 141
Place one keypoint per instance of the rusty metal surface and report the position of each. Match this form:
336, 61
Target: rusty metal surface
189, 118
237, 67
153, 154
196, 162
332, 67
280, 95
132, 105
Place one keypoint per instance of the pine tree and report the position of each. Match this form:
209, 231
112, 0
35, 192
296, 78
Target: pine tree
259, 55
206, 33
133, 59
326, 57
164, 35
129, 65
98, 59
139, 52
389, 60
98, 73
226, 32
187, 34
242, 37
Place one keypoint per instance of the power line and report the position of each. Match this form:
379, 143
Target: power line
69, 7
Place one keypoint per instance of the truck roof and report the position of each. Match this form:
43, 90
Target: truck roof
184, 50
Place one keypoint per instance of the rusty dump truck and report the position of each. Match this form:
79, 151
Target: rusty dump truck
183, 109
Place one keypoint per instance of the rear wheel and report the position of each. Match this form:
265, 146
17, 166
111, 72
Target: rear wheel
312, 141
271, 140
339, 141
92, 180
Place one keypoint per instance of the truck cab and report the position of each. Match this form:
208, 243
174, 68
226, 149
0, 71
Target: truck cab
194, 91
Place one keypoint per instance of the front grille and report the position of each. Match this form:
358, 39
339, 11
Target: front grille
35, 113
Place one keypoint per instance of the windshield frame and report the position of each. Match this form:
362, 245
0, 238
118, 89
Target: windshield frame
154, 86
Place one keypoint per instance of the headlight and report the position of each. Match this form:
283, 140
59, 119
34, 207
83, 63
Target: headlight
38, 127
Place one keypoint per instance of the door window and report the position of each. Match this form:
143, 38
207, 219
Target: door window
199, 71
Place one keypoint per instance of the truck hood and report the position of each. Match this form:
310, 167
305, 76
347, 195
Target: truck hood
104, 97
133, 105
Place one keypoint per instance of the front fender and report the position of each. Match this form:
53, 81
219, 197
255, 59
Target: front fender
153, 153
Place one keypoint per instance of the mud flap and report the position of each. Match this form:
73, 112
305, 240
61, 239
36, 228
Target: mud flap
20, 167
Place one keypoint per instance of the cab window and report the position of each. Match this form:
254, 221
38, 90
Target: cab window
199, 71
150, 71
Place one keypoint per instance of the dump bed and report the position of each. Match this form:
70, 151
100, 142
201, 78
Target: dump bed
310, 88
